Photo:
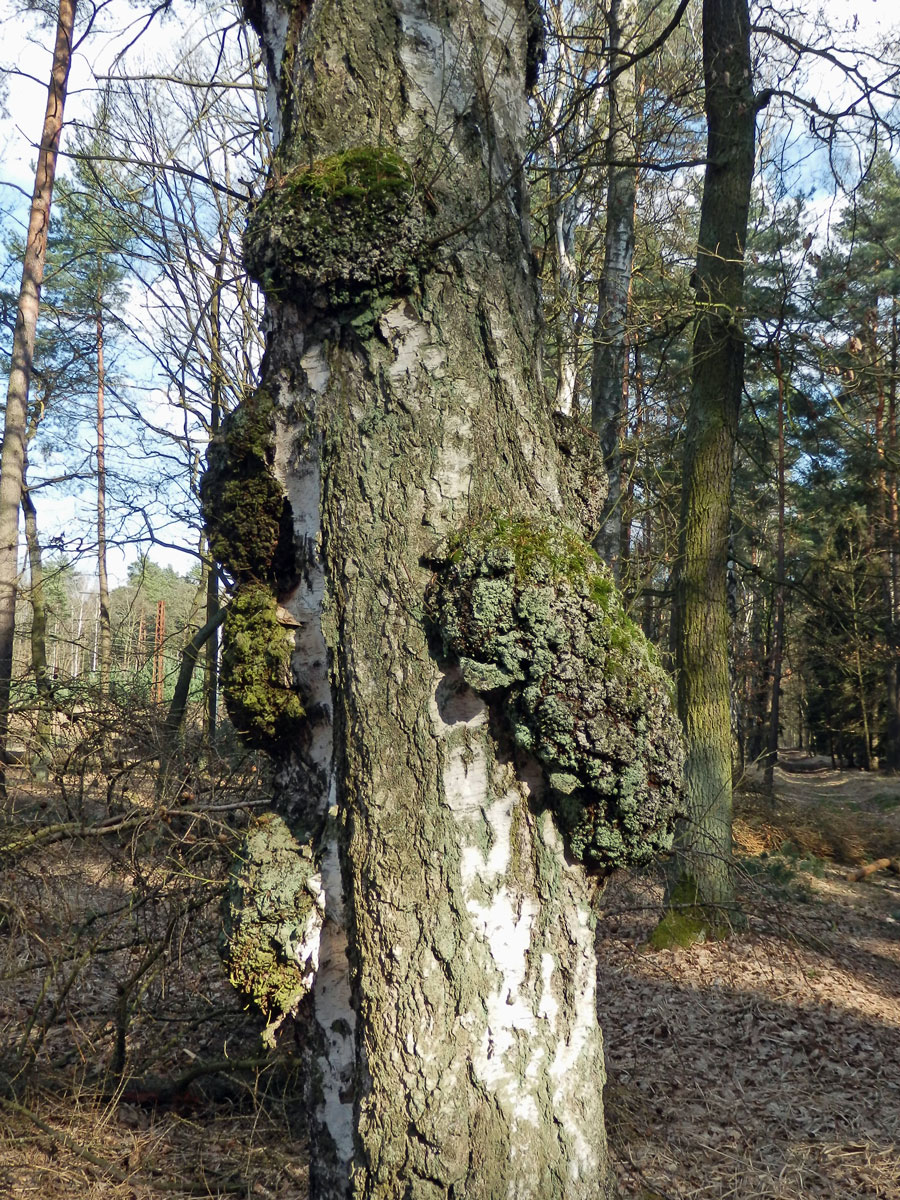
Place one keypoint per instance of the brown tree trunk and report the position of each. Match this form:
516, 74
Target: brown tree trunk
14, 429
105, 630
217, 379
777, 656
608, 387
704, 871
42, 753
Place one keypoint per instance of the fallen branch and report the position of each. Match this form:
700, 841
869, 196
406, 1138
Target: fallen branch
48, 835
101, 1164
880, 864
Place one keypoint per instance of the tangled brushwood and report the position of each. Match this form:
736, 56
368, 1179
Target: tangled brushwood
537, 626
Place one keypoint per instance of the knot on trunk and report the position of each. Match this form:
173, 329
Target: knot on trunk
535, 621
273, 914
257, 679
343, 237
249, 524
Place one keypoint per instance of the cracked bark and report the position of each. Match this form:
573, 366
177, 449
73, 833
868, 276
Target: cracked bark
701, 610
452, 1024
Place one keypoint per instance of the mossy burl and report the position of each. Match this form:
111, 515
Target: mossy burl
535, 621
243, 503
257, 681
341, 233
273, 912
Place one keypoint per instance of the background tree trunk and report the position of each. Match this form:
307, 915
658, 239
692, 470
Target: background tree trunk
701, 611
610, 331
777, 659
457, 1050
105, 623
14, 428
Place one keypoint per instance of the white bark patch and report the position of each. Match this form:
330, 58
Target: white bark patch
430, 61
305, 942
275, 29
539, 1025
335, 1015
451, 477
415, 352
327, 950
580, 1044
316, 368
507, 96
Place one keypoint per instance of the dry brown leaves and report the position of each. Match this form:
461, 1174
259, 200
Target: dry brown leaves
767, 1066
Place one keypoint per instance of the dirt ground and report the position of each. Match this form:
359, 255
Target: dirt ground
767, 1066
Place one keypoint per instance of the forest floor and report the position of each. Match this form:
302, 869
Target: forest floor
765, 1066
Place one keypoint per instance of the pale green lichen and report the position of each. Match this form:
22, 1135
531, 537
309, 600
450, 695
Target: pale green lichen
531, 614
257, 682
338, 234
273, 917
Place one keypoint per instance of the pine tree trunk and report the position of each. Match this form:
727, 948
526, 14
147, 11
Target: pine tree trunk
777, 658
14, 429
892, 732
105, 622
44, 691
608, 396
701, 613
453, 1017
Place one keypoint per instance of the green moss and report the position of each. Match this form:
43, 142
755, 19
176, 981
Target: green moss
534, 620
687, 922
256, 671
244, 506
342, 236
359, 174
272, 918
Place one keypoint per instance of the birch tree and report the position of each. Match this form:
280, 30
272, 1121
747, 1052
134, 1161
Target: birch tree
468, 730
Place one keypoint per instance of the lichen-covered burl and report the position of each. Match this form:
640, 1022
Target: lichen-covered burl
477, 731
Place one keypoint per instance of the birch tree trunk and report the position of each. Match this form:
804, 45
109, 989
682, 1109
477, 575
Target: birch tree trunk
14, 428
452, 1015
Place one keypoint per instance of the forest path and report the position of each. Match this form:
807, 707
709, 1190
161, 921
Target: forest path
766, 1066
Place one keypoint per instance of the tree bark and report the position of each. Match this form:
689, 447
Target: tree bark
777, 658
452, 1017
701, 611
216, 384
105, 623
14, 429
43, 730
608, 393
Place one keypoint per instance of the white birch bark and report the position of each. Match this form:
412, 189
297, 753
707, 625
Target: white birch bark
452, 1019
